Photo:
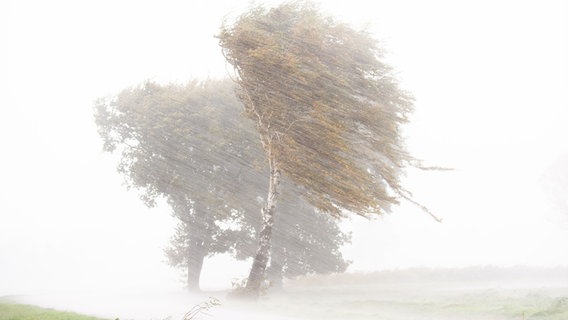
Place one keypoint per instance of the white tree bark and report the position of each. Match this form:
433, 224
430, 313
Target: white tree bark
258, 270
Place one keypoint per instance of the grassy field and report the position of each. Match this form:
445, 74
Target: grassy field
420, 294
11, 311
483, 293
416, 302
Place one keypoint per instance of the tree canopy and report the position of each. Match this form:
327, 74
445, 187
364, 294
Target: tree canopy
175, 144
329, 111
169, 135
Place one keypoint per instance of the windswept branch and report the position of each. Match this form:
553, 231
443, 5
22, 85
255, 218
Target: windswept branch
404, 194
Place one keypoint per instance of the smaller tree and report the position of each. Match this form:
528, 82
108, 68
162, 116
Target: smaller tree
178, 142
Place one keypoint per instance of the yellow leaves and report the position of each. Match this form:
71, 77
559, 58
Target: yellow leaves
320, 88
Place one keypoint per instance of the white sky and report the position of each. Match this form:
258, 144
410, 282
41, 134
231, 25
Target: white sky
490, 80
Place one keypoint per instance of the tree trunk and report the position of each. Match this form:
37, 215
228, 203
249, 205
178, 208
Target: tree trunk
258, 270
199, 240
275, 275
275, 271
195, 258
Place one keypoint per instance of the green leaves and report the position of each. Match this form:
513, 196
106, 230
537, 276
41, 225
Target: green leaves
173, 139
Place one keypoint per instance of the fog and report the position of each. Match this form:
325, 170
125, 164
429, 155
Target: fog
417, 293
489, 79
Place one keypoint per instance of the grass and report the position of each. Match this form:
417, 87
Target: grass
11, 311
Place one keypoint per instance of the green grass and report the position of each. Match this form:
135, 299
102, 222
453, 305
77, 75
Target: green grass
10, 311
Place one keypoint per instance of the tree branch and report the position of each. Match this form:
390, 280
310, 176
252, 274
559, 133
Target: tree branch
421, 206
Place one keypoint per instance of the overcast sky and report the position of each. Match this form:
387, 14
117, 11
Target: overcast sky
490, 80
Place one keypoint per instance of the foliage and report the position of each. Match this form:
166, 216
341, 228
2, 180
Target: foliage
164, 133
307, 244
326, 107
174, 144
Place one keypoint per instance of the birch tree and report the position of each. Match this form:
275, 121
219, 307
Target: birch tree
327, 109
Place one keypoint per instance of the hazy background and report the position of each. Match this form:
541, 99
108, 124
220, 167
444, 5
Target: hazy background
490, 80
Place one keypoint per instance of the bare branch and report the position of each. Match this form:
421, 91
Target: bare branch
419, 205
419, 165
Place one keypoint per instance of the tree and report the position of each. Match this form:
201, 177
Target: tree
327, 109
172, 146
190, 145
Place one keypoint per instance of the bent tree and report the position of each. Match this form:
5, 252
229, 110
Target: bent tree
327, 109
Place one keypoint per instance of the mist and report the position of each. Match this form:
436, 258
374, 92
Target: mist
489, 83
416, 293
